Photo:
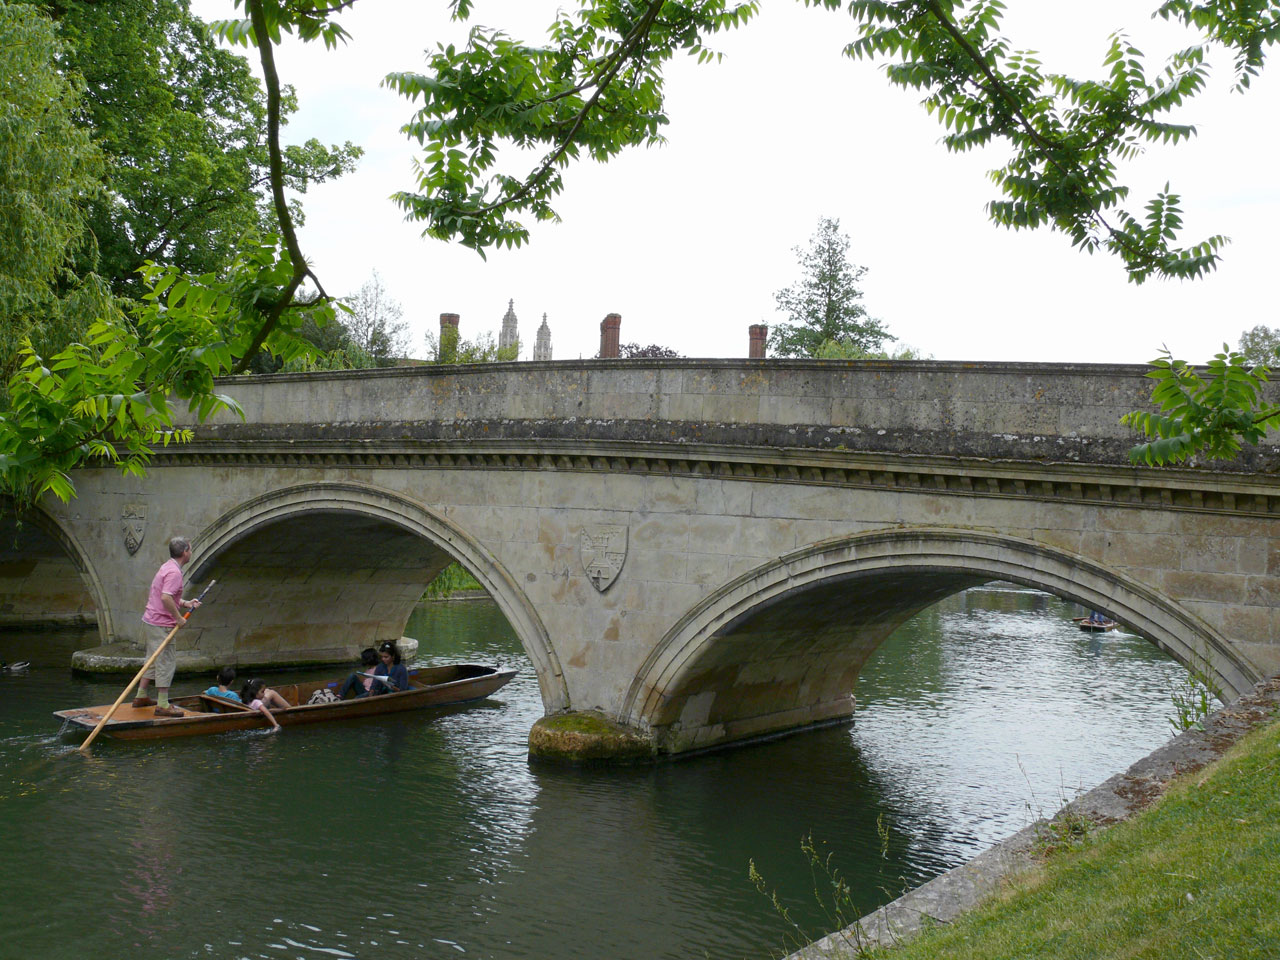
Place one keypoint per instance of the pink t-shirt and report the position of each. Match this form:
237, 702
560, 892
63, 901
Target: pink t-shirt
168, 579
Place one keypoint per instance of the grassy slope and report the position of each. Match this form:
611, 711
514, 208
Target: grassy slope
1197, 876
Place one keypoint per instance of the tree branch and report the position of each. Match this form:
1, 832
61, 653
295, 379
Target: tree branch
629, 43
266, 54
1015, 109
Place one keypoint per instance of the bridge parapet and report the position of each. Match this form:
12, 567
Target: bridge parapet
1042, 412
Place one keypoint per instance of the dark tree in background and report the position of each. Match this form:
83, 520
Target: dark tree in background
633, 351
825, 306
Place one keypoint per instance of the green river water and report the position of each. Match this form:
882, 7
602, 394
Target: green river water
431, 836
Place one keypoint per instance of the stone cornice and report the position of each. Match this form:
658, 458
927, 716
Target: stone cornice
1201, 491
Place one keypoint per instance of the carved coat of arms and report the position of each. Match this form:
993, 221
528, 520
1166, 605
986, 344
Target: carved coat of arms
604, 548
133, 519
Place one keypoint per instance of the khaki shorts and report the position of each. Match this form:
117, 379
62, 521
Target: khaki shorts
161, 672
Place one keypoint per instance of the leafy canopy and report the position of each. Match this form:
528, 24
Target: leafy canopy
110, 398
107, 395
49, 168
1210, 414
181, 124
594, 88
456, 349
653, 351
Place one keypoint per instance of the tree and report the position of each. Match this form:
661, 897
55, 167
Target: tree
825, 305
373, 322
1211, 412
633, 351
843, 350
1260, 346
483, 349
110, 398
108, 395
597, 88
48, 169
181, 125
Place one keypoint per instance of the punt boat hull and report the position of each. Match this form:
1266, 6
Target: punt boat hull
430, 687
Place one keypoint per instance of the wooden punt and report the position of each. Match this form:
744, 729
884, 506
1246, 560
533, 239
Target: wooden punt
429, 687
1094, 626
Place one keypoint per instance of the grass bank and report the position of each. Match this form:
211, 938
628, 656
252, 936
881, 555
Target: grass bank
1196, 876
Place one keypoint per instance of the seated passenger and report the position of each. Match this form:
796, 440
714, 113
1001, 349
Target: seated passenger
262, 698
389, 676
226, 677
362, 680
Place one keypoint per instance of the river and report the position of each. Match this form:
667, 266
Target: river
432, 837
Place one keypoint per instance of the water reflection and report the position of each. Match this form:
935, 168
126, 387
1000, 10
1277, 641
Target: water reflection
431, 836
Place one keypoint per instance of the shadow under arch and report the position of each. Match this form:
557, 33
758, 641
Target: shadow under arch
696, 689
37, 537
373, 503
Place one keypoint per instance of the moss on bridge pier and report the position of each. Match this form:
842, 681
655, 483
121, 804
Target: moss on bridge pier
588, 737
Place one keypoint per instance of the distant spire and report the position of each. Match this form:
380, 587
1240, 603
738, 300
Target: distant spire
510, 335
542, 346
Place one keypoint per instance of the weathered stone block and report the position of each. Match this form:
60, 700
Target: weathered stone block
1209, 554
1218, 588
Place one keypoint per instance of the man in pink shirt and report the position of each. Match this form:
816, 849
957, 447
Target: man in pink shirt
163, 613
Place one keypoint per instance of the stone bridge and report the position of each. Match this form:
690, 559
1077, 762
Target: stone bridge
703, 551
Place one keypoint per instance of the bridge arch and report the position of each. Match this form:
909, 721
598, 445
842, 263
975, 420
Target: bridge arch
403, 520
695, 688
39, 552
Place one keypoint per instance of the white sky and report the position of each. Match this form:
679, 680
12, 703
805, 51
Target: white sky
688, 242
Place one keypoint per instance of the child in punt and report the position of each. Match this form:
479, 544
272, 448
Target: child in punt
262, 698
362, 680
226, 677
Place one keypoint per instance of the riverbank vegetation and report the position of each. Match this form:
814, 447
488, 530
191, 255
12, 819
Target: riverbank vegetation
452, 579
1195, 876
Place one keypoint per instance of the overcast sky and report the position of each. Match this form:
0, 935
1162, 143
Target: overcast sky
689, 242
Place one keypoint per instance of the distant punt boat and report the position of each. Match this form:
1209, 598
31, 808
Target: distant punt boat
1094, 626
429, 687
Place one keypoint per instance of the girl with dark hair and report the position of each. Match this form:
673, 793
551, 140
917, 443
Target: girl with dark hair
260, 697
390, 668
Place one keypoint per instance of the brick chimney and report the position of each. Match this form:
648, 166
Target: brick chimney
609, 330
448, 337
759, 333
